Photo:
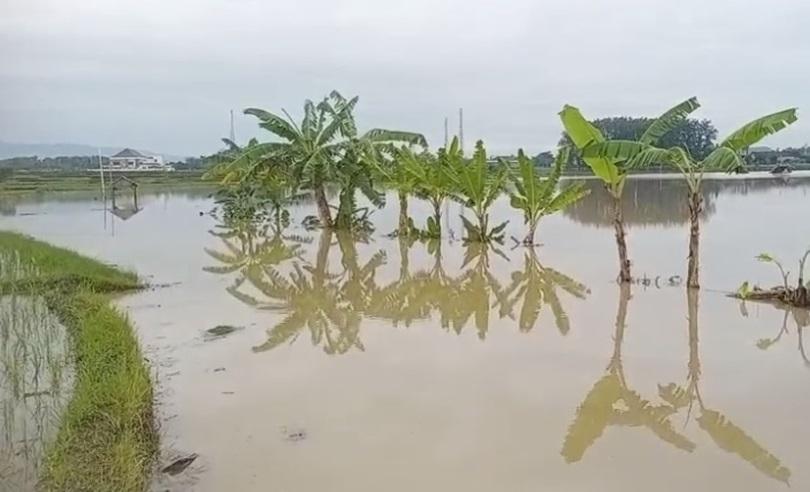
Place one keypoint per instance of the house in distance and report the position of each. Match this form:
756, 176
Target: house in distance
132, 160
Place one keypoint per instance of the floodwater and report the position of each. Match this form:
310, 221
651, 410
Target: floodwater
378, 364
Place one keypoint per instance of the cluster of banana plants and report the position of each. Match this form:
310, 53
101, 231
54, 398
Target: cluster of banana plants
324, 149
613, 160
476, 183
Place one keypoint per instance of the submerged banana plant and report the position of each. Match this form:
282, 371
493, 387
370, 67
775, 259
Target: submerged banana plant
477, 185
613, 166
431, 181
727, 156
537, 197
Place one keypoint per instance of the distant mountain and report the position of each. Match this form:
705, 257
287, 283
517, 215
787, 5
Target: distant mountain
8, 149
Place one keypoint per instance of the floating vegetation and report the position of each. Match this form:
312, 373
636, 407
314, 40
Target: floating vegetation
220, 331
797, 296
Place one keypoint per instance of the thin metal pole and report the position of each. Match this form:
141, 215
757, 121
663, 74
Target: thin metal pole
446, 133
101, 170
461, 128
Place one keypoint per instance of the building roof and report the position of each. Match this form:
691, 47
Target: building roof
129, 153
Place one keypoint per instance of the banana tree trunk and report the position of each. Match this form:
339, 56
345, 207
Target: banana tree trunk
437, 215
324, 214
695, 209
529, 239
621, 241
693, 309
403, 214
404, 257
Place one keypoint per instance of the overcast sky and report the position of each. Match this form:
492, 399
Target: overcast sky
162, 75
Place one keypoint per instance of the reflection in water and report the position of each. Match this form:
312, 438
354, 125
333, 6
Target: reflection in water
652, 201
801, 318
331, 305
611, 402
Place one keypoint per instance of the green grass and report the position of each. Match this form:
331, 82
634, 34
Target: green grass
62, 269
24, 182
106, 439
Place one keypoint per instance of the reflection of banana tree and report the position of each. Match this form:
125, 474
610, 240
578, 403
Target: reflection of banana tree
611, 402
249, 251
723, 432
801, 318
331, 306
407, 298
474, 288
536, 285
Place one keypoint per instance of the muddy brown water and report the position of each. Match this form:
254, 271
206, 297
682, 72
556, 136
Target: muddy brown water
383, 365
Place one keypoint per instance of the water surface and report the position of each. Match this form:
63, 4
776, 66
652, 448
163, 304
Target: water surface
380, 364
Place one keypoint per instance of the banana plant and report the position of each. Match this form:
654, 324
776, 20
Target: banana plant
432, 182
476, 185
318, 150
537, 197
727, 156
613, 167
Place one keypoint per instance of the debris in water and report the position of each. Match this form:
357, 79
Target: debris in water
179, 465
294, 435
220, 331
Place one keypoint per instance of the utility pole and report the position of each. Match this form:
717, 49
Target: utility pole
446, 133
103, 191
101, 170
461, 128
233, 133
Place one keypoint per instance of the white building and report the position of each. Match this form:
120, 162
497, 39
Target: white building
132, 160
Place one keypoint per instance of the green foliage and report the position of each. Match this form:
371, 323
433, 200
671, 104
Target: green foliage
668, 121
754, 131
582, 134
537, 197
744, 290
63, 268
106, 439
477, 185
430, 179
324, 148
696, 136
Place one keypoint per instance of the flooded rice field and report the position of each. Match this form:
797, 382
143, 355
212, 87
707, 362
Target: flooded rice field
35, 380
320, 361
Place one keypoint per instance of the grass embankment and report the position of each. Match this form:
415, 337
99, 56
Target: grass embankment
22, 182
106, 439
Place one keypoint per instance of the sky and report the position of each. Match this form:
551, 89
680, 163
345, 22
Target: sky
163, 75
